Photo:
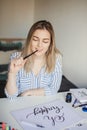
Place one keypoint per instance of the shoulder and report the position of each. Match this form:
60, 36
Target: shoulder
15, 55
58, 63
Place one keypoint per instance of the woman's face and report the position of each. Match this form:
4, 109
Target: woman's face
40, 41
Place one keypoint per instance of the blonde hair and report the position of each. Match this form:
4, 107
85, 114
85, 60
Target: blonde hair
52, 50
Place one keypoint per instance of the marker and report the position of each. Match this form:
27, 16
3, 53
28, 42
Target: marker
32, 124
3, 125
7, 127
30, 54
13, 128
74, 102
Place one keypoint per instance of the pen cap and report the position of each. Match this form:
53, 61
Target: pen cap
68, 97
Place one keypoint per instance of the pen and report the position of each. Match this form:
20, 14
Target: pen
32, 124
81, 105
74, 102
30, 54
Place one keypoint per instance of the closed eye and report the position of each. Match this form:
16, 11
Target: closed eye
46, 41
35, 38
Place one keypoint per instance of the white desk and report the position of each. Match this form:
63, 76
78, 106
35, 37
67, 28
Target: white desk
7, 105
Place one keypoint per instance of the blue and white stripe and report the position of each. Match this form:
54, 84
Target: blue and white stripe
49, 81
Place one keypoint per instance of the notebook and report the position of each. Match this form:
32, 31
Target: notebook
80, 94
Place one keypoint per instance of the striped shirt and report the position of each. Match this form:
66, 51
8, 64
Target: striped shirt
49, 81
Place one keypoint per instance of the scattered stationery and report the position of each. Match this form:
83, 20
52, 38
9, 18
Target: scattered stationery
52, 115
6, 126
80, 94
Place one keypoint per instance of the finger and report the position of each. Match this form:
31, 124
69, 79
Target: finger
18, 61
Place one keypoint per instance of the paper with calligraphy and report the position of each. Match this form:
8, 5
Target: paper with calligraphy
55, 115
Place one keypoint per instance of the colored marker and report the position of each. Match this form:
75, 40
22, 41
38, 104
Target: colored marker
3, 125
13, 129
7, 127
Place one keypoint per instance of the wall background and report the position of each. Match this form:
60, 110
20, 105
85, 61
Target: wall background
69, 19
16, 17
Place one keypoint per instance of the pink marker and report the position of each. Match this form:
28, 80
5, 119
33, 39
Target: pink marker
3, 126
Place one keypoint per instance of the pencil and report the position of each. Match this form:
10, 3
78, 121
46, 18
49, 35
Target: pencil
29, 55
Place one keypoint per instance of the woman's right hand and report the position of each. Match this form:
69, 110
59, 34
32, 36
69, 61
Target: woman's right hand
16, 64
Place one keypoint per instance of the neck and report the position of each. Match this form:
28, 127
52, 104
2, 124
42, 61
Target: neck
37, 64
39, 59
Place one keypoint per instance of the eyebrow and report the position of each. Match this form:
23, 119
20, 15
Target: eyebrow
35, 36
43, 38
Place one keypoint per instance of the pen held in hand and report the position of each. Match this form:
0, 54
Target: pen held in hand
29, 55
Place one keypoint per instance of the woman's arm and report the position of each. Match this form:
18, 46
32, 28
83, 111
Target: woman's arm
34, 92
15, 65
11, 87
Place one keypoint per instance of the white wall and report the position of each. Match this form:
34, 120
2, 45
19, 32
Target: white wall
69, 18
16, 17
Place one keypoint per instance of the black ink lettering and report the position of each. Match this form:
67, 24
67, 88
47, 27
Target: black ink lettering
55, 119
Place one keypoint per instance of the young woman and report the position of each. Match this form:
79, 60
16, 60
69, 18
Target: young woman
41, 73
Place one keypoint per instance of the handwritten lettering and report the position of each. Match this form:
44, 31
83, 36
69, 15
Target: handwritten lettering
55, 119
58, 116
45, 110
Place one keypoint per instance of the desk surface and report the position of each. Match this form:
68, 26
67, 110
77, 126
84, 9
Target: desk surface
6, 106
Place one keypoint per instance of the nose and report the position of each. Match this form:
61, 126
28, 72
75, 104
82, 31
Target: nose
39, 43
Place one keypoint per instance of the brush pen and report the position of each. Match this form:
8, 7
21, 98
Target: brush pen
29, 55
81, 105
32, 124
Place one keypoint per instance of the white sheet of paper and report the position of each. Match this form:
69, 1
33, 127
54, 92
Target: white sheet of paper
55, 115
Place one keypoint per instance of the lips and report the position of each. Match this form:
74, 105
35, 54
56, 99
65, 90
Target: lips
39, 50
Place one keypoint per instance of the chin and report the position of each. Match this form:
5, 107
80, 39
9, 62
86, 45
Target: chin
40, 54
